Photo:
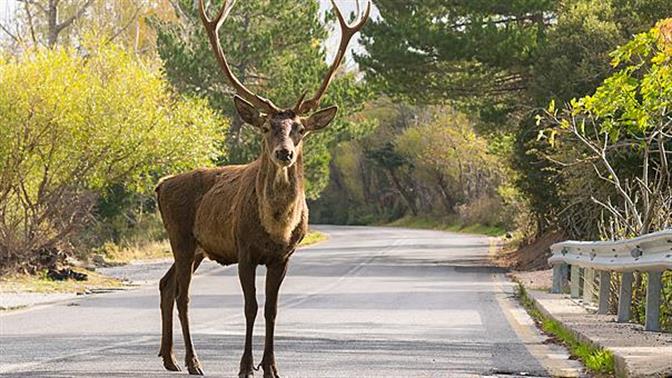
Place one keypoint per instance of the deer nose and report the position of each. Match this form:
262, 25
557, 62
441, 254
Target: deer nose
284, 154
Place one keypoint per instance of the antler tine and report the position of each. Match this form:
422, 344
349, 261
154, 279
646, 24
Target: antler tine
347, 31
359, 25
299, 103
220, 14
212, 29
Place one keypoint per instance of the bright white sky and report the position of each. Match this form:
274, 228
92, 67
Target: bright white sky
6, 7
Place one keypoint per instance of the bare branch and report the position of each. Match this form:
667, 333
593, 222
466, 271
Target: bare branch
600, 151
35, 3
127, 25
75, 16
30, 24
12, 36
610, 208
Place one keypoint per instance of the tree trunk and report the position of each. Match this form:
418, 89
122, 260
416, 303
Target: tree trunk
52, 22
447, 199
410, 201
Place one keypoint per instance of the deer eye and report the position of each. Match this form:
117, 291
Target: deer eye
299, 128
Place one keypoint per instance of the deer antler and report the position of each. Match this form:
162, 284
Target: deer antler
347, 31
212, 28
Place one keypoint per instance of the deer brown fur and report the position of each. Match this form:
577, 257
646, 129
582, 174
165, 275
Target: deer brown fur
250, 215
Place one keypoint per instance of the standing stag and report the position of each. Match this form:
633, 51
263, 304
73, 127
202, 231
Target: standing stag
253, 214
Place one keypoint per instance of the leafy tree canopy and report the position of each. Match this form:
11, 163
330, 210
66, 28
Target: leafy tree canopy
503, 62
624, 133
496, 57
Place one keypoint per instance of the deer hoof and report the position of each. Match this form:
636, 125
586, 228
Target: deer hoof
195, 370
246, 375
270, 371
169, 363
194, 367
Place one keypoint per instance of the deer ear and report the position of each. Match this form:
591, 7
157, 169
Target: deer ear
248, 112
321, 118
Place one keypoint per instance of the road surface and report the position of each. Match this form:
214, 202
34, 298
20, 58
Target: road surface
368, 302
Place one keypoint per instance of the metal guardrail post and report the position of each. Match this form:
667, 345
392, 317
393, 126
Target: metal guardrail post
575, 281
625, 297
559, 278
605, 286
588, 282
653, 291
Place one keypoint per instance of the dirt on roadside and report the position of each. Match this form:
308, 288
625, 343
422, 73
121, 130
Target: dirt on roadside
530, 256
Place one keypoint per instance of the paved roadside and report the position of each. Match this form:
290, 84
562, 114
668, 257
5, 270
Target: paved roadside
15, 301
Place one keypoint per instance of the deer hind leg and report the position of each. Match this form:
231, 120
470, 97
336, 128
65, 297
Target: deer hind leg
186, 261
167, 286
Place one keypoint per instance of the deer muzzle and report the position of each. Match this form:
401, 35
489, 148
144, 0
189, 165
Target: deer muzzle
284, 156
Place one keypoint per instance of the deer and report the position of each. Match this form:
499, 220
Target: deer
252, 214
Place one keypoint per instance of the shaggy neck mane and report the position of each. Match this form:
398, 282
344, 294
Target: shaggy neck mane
281, 196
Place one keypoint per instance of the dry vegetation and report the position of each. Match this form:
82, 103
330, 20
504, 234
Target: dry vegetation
40, 283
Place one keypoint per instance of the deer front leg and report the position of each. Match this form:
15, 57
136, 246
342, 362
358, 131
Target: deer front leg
247, 274
274, 276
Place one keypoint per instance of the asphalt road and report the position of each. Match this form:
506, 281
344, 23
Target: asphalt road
368, 302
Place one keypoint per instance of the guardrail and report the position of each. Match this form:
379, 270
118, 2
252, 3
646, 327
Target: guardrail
651, 253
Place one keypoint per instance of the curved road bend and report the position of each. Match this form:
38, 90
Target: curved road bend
368, 302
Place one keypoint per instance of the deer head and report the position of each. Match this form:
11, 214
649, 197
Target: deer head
283, 129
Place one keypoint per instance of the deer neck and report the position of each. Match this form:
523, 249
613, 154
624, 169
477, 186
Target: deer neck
281, 196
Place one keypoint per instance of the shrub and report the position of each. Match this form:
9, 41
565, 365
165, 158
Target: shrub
73, 126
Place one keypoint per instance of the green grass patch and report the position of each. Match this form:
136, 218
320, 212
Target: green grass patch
598, 360
313, 237
438, 224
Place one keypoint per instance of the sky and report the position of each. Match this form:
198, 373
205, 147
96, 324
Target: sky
6, 7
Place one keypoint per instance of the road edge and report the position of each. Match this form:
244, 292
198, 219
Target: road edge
624, 365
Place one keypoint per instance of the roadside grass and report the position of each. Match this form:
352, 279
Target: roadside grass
313, 237
145, 251
598, 360
112, 255
158, 250
13, 308
40, 283
437, 224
